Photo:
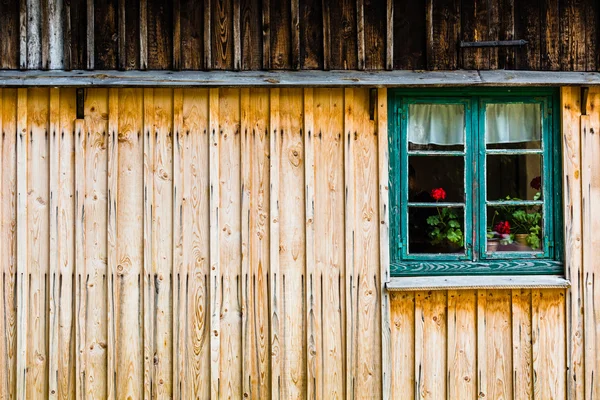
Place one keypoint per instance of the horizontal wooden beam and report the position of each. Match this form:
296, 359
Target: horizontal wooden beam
295, 78
477, 282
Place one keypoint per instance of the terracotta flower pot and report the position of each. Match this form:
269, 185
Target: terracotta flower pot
521, 238
492, 245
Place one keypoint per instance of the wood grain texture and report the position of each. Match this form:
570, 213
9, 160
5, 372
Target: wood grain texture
462, 349
402, 315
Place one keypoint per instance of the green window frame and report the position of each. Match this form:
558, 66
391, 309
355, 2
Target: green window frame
476, 260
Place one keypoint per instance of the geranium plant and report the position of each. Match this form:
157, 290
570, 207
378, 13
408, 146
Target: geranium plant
445, 227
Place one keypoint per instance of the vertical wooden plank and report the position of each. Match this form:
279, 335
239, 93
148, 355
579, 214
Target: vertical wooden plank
367, 280
389, 35
143, 34
8, 247
23, 34
429, 41
482, 361
280, 27
274, 229
462, 344
207, 35
443, 34
192, 39
90, 19
527, 27
309, 215
168, 278
215, 272
92, 282
149, 289
522, 344
343, 33
349, 203
384, 241
34, 34
178, 275
329, 280
122, 37
404, 324
326, 35
54, 161
410, 30
550, 40
548, 321
360, 33
222, 35
66, 246
292, 245
572, 36
246, 193
160, 35
111, 251
106, 25
375, 22
37, 242
230, 332
498, 333
237, 37
295, 28
10, 34
266, 34
590, 182
572, 192
251, 32
129, 247
257, 380
311, 34
506, 31
177, 34
80, 299
55, 35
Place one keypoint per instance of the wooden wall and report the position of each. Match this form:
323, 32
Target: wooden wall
297, 34
189, 243
225, 243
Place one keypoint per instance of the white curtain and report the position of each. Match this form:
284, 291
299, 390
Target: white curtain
444, 124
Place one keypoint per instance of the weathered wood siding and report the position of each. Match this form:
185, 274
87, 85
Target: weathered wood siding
294, 34
223, 243
189, 243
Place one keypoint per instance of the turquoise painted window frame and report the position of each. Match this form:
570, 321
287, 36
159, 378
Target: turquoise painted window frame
475, 260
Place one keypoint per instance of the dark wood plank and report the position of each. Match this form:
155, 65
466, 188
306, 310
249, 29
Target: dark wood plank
311, 34
389, 35
176, 34
192, 31
409, 34
237, 38
444, 34
132, 34
343, 34
360, 34
592, 34
122, 23
251, 34
222, 34
160, 35
475, 27
9, 34
572, 35
375, 34
326, 35
549, 39
266, 33
295, 33
105, 34
281, 34
506, 31
527, 27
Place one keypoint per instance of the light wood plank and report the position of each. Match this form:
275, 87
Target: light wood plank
230, 258
498, 334
384, 240
215, 227
462, 344
572, 192
522, 344
402, 347
274, 229
482, 362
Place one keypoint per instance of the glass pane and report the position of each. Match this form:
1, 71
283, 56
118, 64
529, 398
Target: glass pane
427, 173
514, 177
514, 228
507, 124
436, 230
436, 127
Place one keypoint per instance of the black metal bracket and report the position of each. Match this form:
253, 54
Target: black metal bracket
372, 103
80, 112
585, 91
493, 43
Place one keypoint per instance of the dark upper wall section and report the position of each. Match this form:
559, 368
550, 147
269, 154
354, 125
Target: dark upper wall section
297, 34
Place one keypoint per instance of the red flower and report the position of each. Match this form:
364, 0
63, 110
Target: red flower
438, 194
502, 227
536, 183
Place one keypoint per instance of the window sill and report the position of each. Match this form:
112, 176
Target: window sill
477, 282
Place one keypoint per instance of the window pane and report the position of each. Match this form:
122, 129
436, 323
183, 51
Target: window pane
514, 176
507, 124
514, 228
436, 127
432, 172
436, 230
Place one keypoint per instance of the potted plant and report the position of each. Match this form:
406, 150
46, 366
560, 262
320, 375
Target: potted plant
527, 222
499, 234
445, 228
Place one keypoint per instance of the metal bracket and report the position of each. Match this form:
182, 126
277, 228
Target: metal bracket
493, 43
372, 103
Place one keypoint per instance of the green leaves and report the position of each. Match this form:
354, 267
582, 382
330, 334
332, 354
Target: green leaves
445, 227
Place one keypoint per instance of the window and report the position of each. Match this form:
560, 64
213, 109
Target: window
475, 183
